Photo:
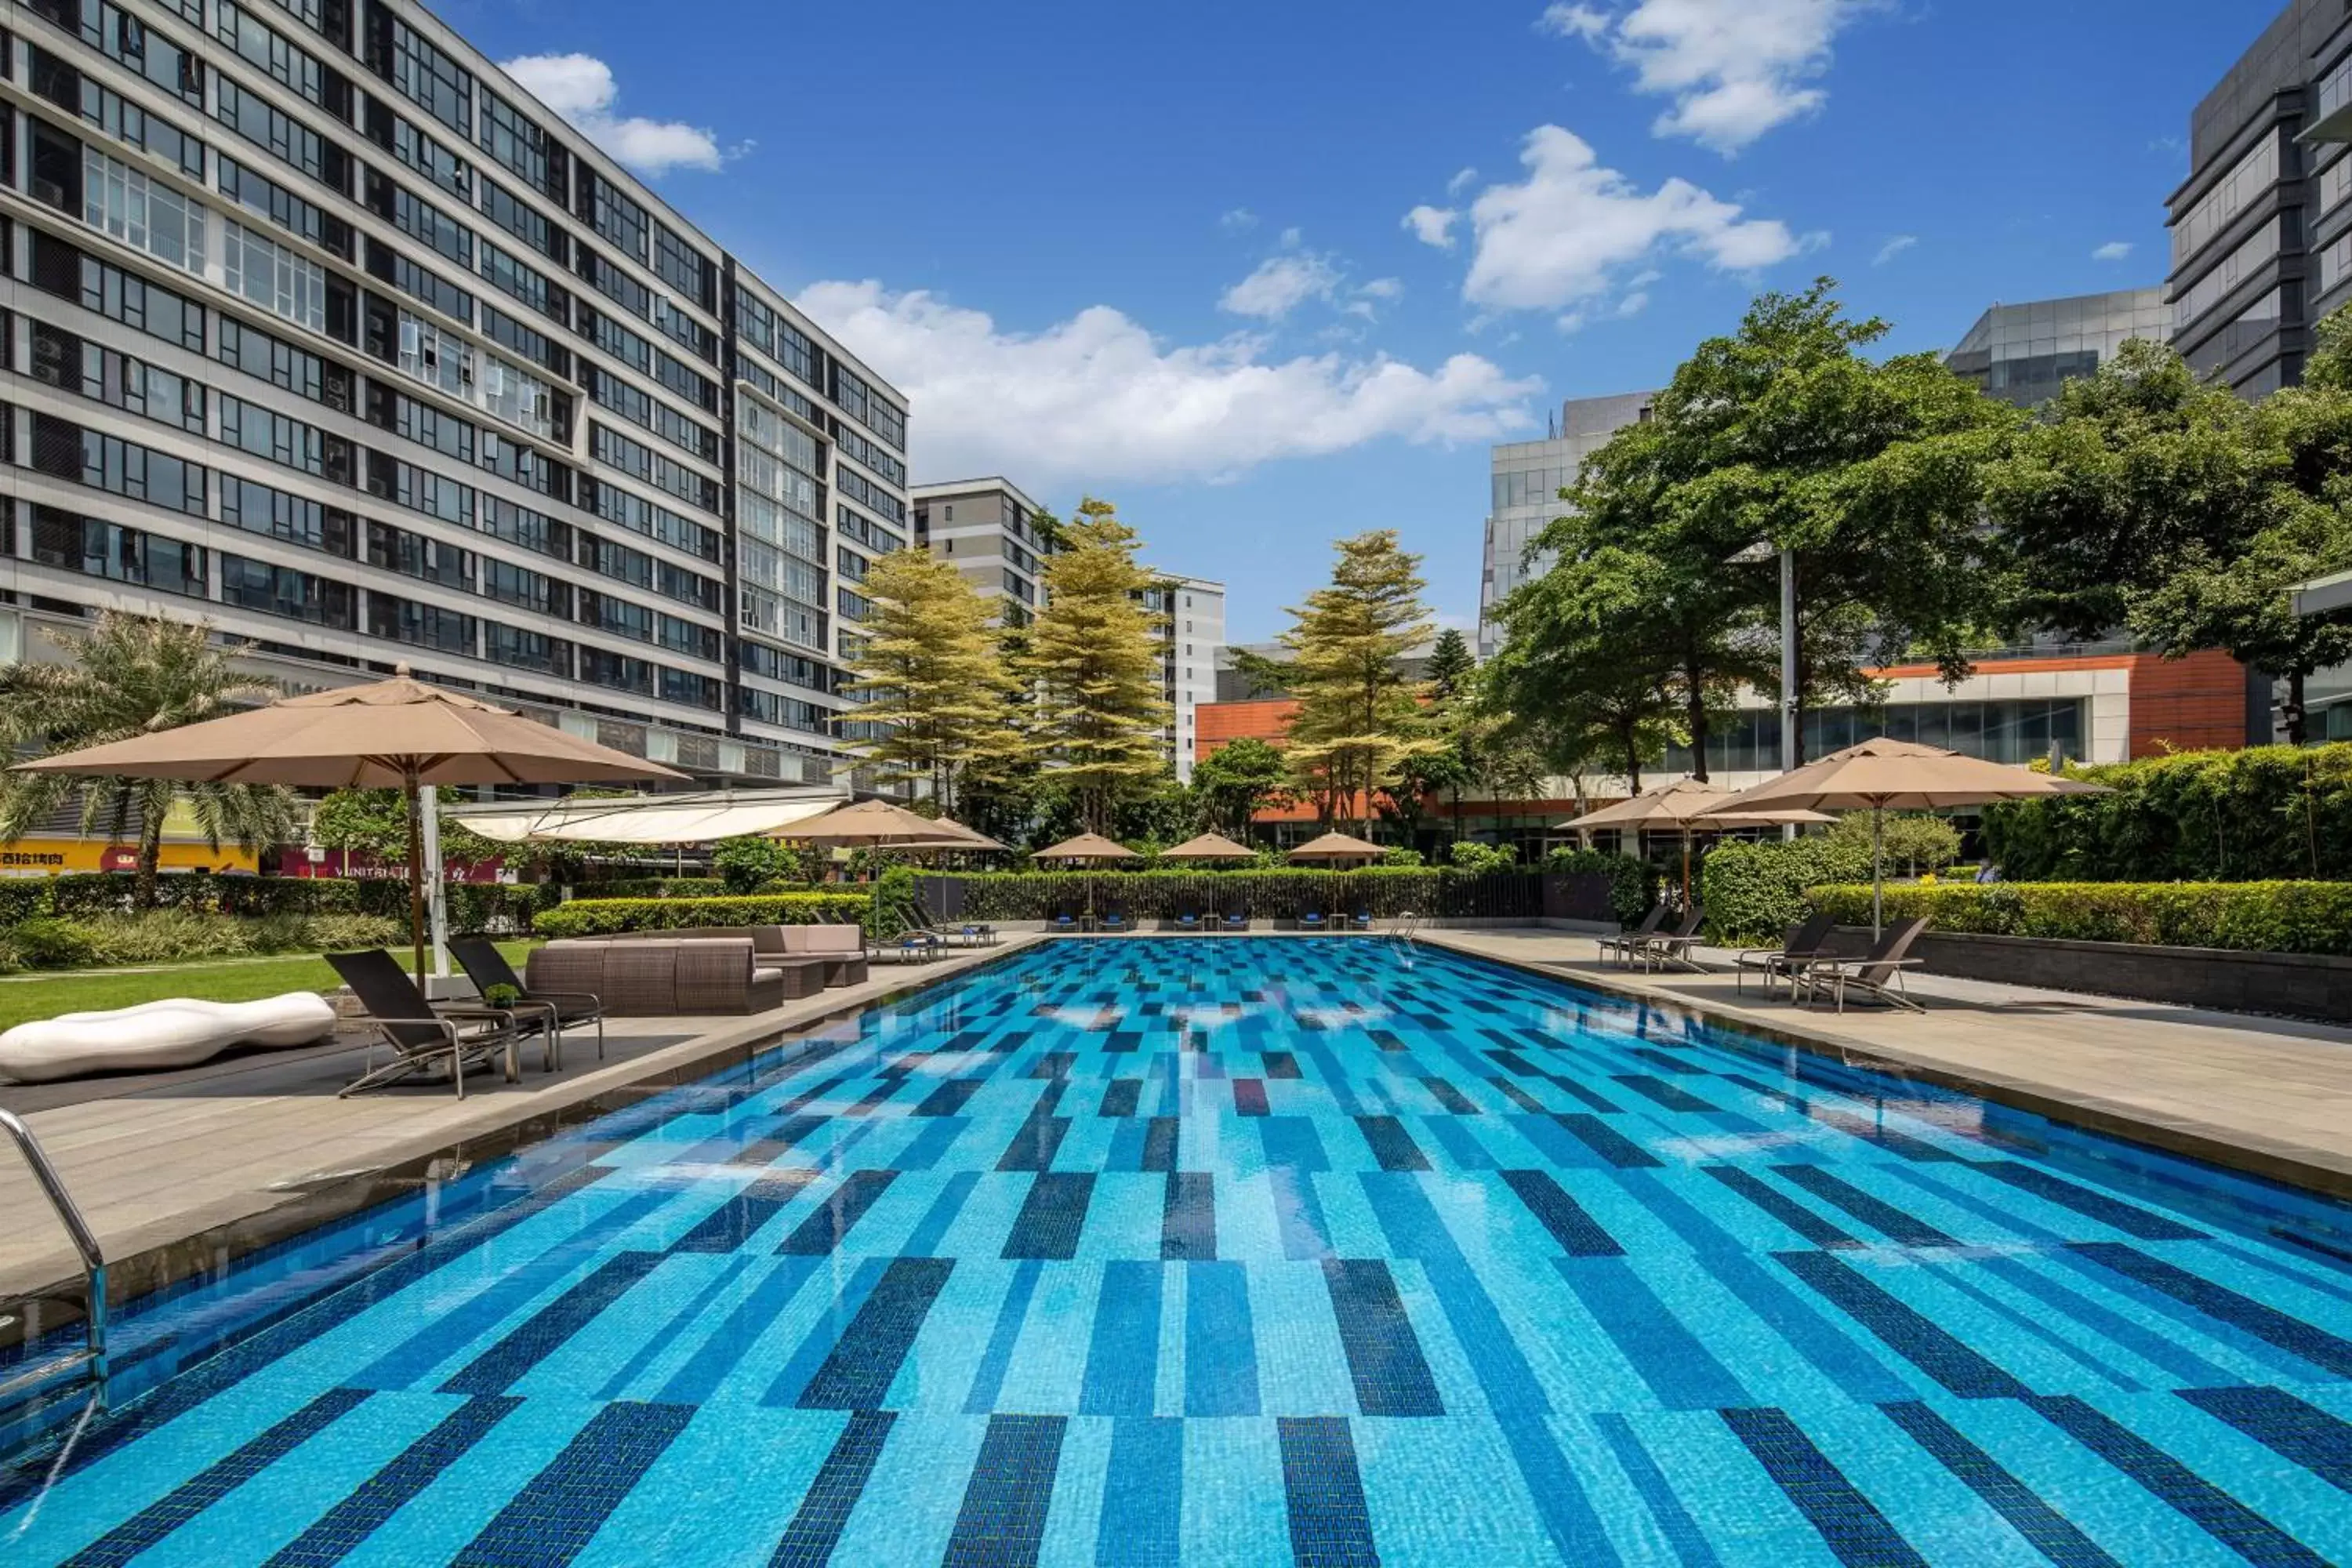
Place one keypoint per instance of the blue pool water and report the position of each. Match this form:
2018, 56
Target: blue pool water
1254, 1251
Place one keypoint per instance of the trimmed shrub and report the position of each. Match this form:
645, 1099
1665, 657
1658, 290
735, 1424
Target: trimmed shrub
2247, 917
658, 887
610, 917
1468, 854
2267, 812
47, 942
1278, 894
1755, 893
1632, 883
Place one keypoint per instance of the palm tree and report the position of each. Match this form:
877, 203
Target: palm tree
131, 676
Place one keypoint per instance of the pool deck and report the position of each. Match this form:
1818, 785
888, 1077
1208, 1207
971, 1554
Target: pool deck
179, 1172
2268, 1095
179, 1176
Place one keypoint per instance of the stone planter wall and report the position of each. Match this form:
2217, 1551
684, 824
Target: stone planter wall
2296, 985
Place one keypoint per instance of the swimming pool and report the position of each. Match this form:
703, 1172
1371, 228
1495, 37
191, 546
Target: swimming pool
1258, 1250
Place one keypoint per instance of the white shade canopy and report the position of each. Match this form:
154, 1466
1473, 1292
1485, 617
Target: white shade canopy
642, 819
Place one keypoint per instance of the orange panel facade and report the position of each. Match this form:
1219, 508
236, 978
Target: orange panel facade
2192, 704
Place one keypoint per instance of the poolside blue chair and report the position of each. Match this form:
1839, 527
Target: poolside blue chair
1064, 920
1115, 918
1189, 920
1312, 919
1361, 921
1234, 919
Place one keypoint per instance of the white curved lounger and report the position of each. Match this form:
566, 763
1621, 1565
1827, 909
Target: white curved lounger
170, 1033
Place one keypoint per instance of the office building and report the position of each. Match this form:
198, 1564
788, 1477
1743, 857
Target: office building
1190, 640
988, 530
320, 329
1528, 479
2262, 230
2020, 354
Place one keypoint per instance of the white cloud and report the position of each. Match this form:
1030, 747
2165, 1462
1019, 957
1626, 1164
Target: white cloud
1382, 288
1280, 284
1734, 69
1095, 398
1433, 225
581, 88
1559, 238
1462, 181
2114, 250
1893, 249
1241, 220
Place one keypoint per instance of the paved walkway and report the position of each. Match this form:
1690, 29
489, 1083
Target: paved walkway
264, 1144
2272, 1096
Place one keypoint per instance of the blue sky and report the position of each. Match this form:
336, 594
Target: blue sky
1267, 274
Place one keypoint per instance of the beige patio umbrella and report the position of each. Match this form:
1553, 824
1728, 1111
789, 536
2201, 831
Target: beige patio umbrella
1338, 846
869, 823
1681, 805
1208, 846
399, 734
1883, 776
1084, 849
950, 829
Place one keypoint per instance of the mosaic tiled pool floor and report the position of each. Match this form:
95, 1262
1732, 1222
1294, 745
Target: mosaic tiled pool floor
1251, 1252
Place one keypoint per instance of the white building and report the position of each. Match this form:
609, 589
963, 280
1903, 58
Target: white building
1195, 608
987, 530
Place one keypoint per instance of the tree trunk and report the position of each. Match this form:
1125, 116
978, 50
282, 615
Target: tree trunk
1695, 699
1632, 759
151, 860
2294, 723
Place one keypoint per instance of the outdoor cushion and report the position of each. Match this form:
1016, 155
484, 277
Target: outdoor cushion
170, 1033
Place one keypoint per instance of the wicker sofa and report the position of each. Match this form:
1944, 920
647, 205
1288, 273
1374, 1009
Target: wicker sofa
664, 976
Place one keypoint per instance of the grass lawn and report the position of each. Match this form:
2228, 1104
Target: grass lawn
216, 980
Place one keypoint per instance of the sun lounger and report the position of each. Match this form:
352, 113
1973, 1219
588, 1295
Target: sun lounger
1234, 919
1624, 942
1313, 920
1875, 977
1658, 952
1775, 963
486, 967
421, 1037
1115, 918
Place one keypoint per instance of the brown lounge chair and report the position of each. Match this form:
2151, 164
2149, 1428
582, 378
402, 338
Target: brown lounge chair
486, 967
1624, 942
420, 1036
1658, 951
1878, 976
1772, 963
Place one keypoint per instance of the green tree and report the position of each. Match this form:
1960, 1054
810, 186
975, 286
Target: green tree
751, 861
1452, 717
1914, 839
1358, 720
130, 676
2153, 502
1233, 783
375, 822
1569, 687
1097, 715
937, 697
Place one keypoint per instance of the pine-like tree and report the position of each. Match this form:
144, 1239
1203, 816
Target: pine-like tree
933, 679
1097, 715
1360, 720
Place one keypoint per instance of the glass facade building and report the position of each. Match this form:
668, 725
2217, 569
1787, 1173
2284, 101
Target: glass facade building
2021, 354
319, 327
1528, 479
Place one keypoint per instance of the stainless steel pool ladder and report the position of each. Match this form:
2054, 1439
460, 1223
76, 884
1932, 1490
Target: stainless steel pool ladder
89, 1363
1408, 925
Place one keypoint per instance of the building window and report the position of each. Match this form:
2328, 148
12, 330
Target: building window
119, 554
123, 202
269, 590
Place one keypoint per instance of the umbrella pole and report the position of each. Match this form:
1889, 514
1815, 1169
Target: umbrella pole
1877, 873
1687, 847
410, 787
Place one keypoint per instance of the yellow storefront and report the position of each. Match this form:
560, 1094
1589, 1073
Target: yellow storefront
184, 850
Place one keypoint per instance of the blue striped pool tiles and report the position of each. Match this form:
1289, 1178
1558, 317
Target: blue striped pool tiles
1139, 1252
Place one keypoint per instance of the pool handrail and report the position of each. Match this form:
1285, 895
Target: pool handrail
93, 1263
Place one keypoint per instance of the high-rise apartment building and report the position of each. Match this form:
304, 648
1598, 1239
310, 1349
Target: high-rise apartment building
1190, 639
988, 531
1528, 479
2262, 230
320, 328
2021, 354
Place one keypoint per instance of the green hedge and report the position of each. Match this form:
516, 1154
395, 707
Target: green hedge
2265, 814
1386, 890
1632, 883
165, 936
609, 917
1755, 893
474, 907
2251, 917
654, 887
